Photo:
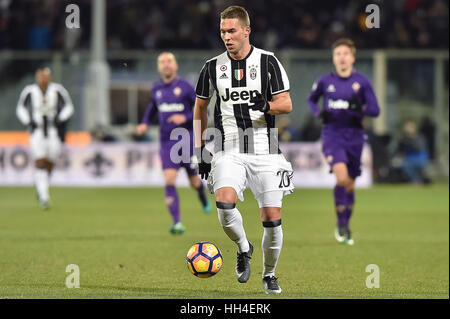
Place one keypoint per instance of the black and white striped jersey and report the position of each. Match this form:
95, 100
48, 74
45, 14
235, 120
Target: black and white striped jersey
234, 82
43, 110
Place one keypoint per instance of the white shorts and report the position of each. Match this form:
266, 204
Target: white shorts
268, 176
45, 147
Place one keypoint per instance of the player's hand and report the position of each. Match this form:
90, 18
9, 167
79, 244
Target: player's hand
141, 129
355, 104
324, 115
204, 161
177, 119
32, 125
259, 103
56, 121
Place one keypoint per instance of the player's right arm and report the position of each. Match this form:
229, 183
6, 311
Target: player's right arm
149, 113
314, 96
22, 112
200, 125
200, 120
204, 91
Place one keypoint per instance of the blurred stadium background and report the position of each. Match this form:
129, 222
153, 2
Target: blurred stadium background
108, 64
406, 58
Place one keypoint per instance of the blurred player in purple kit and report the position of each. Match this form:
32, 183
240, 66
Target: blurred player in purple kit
348, 97
173, 99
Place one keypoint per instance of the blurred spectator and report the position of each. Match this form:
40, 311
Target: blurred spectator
310, 132
193, 24
428, 130
379, 144
101, 134
39, 35
286, 132
413, 147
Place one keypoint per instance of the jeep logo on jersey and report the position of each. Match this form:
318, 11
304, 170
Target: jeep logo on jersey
239, 74
238, 95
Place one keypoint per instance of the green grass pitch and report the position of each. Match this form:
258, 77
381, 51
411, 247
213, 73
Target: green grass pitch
119, 239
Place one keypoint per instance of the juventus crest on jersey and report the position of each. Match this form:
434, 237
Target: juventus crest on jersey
235, 82
44, 109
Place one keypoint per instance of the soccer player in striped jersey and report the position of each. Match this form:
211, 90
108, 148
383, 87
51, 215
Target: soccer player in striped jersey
173, 99
347, 97
251, 87
44, 107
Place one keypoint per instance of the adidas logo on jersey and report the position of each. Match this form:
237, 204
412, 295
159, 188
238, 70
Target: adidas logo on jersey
223, 76
240, 95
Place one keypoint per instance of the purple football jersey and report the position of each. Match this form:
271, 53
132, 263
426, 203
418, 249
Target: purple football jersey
176, 97
343, 134
336, 92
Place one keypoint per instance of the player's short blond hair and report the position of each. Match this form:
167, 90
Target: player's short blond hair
167, 53
344, 41
236, 12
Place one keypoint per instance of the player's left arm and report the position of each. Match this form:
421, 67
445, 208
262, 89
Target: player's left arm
371, 105
279, 85
279, 88
68, 109
281, 104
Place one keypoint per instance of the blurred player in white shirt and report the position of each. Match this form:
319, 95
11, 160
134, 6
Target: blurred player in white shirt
44, 107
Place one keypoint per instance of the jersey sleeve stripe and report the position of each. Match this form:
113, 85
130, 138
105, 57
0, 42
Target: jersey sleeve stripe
264, 78
202, 97
202, 88
281, 91
276, 76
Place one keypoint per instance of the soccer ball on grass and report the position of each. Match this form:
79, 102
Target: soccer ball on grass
204, 259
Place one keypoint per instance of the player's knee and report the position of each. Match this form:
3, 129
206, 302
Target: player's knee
41, 163
340, 208
226, 196
195, 181
350, 188
269, 214
342, 180
50, 166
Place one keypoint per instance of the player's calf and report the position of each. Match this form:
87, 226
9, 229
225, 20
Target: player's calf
231, 220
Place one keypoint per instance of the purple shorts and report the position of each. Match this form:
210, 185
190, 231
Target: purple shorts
180, 160
349, 154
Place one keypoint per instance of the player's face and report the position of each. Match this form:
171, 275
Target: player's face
167, 65
343, 58
234, 34
43, 78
